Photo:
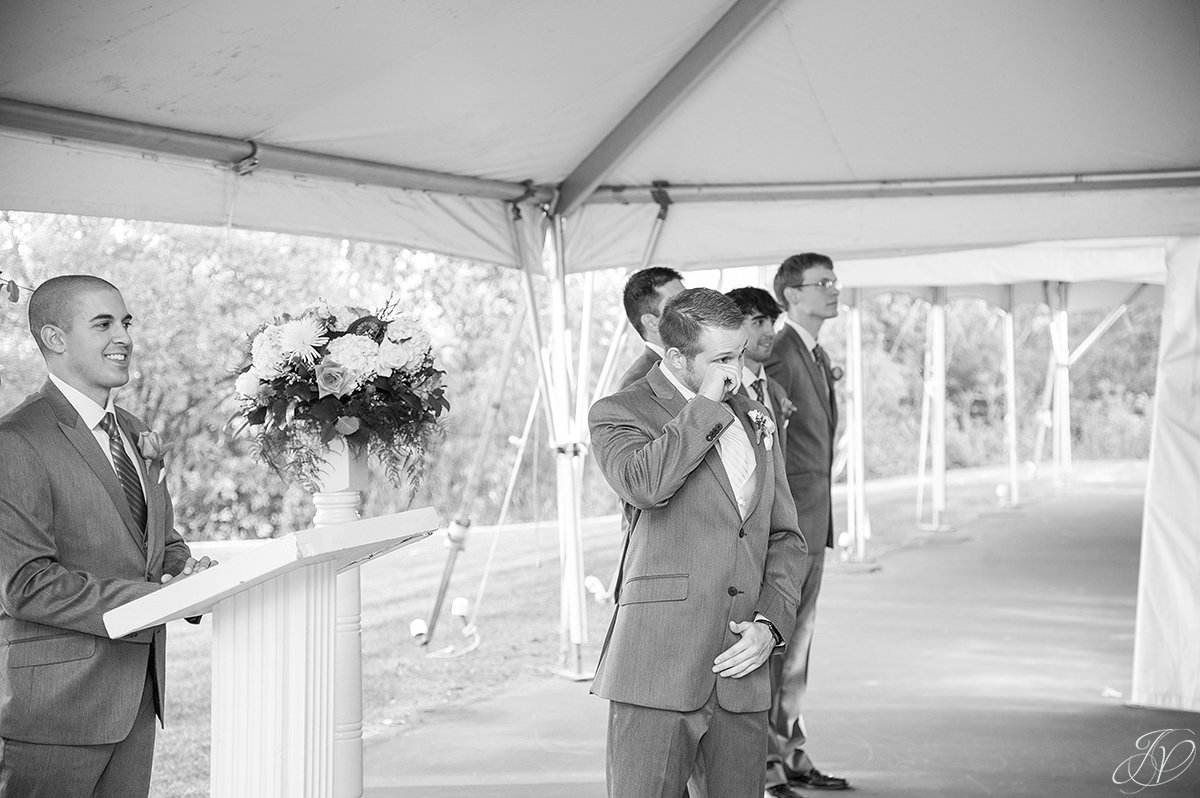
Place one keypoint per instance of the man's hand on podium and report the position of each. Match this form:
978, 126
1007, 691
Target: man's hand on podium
192, 566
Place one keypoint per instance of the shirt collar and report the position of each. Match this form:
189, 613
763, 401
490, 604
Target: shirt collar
656, 349
808, 338
748, 375
91, 413
688, 393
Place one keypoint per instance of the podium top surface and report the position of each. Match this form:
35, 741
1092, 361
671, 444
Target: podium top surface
346, 544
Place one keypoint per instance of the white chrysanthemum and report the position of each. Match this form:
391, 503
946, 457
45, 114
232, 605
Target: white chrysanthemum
267, 353
300, 338
357, 353
247, 383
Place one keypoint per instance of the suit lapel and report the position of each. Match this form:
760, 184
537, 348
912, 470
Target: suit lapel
673, 402
85, 443
813, 368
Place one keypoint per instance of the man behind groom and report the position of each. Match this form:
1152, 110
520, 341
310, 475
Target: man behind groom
709, 578
85, 526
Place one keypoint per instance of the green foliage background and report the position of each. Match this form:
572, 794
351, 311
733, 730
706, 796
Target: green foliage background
195, 293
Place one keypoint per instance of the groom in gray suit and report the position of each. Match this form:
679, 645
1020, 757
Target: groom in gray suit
709, 577
85, 525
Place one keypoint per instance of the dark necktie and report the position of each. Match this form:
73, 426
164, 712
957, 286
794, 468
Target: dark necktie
757, 385
126, 472
827, 373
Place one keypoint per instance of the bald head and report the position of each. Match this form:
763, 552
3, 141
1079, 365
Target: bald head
54, 302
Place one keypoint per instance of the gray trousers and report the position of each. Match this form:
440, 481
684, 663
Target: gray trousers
789, 682
651, 752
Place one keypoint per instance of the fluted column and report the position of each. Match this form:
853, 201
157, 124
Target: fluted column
272, 692
338, 502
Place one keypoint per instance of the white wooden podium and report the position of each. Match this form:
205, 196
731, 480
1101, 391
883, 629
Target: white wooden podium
274, 613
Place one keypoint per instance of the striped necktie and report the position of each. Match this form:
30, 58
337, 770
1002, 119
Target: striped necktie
126, 472
737, 455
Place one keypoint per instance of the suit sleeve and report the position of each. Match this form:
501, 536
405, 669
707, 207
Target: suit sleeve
646, 469
787, 553
34, 586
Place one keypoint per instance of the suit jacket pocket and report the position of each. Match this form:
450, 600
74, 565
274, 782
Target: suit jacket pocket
50, 649
663, 587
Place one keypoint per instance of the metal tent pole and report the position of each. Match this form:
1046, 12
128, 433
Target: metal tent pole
1010, 399
1059, 332
569, 454
857, 518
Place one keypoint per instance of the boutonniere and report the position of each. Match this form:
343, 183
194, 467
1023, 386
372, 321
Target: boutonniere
764, 428
153, 450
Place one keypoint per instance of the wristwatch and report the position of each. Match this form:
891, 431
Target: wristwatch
774, 632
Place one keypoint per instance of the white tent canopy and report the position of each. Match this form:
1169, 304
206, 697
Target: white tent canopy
693, 132
858, 128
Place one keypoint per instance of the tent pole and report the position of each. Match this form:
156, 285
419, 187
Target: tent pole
584, 373
923, 441
858, 521
610, 360
1059, 329
937, 403
456, 535
1010, 399
569, 453
1107, 322
622, 332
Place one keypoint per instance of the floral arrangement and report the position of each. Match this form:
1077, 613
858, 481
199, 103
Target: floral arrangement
341, 371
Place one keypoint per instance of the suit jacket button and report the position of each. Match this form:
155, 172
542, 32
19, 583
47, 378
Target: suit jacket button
733, 591
741, 533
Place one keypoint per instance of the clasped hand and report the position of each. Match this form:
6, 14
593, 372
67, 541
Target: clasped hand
192, 566
751, 651
721, 380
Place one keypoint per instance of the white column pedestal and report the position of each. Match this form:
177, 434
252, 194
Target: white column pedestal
272, 692
337, 503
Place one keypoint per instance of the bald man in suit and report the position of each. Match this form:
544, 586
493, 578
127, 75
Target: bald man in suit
85, 526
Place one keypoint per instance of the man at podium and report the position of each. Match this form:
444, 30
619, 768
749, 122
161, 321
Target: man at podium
85, 526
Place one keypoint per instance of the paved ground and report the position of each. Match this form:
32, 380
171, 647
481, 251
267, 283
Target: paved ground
990, 661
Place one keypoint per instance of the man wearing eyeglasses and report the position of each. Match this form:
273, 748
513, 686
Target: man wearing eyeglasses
808, 289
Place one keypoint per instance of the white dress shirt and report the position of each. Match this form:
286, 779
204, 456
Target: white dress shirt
92, 414
734, 448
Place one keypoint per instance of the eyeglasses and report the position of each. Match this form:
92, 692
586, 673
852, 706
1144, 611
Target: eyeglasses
827, 284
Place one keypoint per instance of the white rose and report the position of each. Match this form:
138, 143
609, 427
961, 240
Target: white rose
392, 356
247, 383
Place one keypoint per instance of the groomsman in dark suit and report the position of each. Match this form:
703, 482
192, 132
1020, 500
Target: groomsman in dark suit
807, 287
760, 310
645, 293
85, 526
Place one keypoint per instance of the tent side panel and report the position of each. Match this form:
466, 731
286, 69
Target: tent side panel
1166, 655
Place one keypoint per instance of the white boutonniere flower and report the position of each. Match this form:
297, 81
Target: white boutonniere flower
764, 428
153, 450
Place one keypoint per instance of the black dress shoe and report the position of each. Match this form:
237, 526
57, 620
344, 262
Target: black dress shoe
814, 779
783, 791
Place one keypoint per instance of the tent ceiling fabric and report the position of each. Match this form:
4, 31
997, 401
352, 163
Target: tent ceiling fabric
841, 98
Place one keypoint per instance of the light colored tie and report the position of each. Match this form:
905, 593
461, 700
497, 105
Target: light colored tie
737, 455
